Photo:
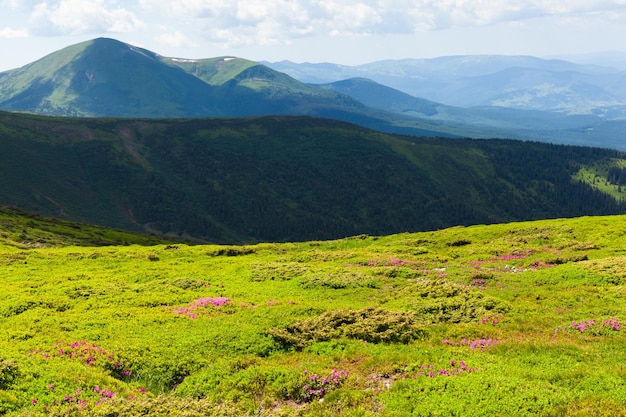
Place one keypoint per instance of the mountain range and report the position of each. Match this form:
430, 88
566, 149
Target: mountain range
521, 82
486, 97
108, 78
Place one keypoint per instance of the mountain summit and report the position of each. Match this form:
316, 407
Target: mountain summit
105, 77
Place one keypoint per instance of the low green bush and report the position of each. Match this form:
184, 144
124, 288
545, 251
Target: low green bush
371, 324
9, 372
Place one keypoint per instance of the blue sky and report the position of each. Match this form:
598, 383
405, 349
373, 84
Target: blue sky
345, 32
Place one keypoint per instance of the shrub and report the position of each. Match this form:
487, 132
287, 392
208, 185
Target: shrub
374, 325
9, 372
161, 405
443, 302
8, 402
188, 283
277, 271
338, 281
232, 251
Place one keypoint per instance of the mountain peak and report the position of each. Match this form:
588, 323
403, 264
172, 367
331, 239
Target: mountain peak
104, 77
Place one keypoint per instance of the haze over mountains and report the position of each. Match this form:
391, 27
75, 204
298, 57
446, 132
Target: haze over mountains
522, 82
486, 96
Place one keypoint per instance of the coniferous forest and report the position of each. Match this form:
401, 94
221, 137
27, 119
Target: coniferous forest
288, 178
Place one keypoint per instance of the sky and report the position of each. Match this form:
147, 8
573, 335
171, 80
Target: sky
349, 32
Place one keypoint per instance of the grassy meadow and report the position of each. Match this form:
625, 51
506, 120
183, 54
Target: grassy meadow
519, 319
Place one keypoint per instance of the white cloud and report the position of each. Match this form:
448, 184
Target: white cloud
11, 4
176, 39
82, 16
10, 33
249, 22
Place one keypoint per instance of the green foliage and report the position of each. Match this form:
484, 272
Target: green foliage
8, 402
339, 279
9, 372
443, 302
147, 406
370, 325
277, 271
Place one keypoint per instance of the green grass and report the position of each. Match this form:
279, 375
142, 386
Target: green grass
596, 176
348, 327
25, 230
213, 71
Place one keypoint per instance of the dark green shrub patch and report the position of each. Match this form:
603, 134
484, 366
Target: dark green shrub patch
9, 372
338, 280
371, 325
277, 271
232, 251
445, 302
189, 283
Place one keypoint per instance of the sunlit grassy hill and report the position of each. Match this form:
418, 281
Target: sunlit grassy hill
28, 230
519, 319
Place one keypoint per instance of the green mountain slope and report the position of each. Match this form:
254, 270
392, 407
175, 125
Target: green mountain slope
25, 230
105, 78
108, 78
522, 319
284, 178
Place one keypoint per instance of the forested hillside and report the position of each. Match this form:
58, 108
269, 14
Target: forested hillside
285, 178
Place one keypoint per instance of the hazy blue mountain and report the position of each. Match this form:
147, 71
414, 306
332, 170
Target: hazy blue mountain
521, 82
489, 121
609, 59
380, 96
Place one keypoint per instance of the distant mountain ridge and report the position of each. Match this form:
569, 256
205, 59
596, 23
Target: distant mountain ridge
489, 121
521, 82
